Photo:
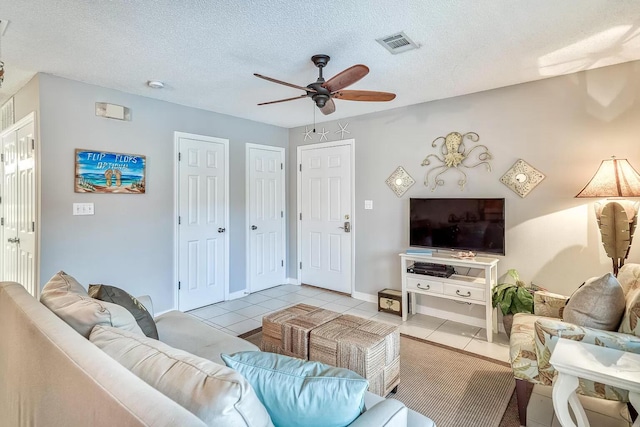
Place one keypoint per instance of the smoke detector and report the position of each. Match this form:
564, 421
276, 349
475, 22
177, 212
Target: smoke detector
397, 43
155, 84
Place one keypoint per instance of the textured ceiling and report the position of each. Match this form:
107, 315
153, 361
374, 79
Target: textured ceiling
207, 51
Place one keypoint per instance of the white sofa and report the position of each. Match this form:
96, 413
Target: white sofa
52, 376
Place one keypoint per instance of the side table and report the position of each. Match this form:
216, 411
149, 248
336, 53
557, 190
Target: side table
575, 359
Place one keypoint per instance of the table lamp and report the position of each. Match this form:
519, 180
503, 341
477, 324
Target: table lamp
617, 219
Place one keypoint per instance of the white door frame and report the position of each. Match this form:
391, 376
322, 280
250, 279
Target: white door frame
31, 117
352, 146
281, 150
176, 208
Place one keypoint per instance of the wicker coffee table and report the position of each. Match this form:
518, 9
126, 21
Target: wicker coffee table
368, 347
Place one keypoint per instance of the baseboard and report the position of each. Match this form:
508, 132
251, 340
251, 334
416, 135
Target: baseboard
160, 313
364, 297
237, 294
293, 281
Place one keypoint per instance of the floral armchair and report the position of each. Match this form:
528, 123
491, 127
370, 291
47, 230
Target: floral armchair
534, 336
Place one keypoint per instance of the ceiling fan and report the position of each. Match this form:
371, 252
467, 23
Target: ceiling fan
322, 91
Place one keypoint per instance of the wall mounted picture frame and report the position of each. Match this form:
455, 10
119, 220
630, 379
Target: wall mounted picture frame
107, 172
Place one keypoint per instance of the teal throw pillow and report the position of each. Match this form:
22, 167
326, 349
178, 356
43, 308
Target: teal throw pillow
301, 393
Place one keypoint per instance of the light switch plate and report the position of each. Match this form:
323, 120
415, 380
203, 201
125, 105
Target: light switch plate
368, 204
83, 208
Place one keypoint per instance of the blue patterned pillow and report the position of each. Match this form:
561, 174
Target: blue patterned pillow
301, 393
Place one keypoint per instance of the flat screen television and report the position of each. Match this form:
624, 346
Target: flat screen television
460, 224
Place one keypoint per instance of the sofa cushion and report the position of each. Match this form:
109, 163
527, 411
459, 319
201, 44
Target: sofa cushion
118, 296
598, 304
70, 301
297, 392
216, 394
629, 277
631, 319
190, 334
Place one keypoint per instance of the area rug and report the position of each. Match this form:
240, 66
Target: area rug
452, 387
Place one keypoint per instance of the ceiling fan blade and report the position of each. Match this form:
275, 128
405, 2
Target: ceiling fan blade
363, 95
346, 77
283, 100
329, 107
306, 89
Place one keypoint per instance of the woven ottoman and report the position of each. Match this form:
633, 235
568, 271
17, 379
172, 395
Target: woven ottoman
370, 348
287, 331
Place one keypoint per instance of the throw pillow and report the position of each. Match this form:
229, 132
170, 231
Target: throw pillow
124, 299
630, 320
216, 394
598, 304
301, 393
70, 301
629, 277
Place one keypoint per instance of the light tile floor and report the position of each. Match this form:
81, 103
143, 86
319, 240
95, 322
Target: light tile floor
245, 314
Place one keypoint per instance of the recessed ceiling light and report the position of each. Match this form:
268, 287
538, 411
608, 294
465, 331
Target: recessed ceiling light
155, 84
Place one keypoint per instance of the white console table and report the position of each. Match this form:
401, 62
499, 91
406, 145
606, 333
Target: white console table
473, 286
575, 359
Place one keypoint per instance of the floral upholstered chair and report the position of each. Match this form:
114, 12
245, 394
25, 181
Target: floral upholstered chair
534, 336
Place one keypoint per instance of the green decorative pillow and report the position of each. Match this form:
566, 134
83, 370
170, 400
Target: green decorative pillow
301, 393
631, 320
598, 304
115, 295
70, 301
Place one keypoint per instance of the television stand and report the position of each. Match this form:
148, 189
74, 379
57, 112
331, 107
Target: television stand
472, 283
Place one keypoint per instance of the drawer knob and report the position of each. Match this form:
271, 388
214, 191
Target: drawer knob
461, 295
426, 288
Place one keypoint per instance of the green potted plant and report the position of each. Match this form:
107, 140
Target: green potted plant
512, 298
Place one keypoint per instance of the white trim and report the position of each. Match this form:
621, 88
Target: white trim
237, 294
283, 223
352, 145
455, 317
31, 118
292, 281
365, 297
176, 207
156, 315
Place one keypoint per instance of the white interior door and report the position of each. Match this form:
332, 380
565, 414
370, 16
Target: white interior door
265, 216
19, 206
325, 215
202, 218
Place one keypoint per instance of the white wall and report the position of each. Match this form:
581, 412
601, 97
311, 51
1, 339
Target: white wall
563, 126
129, 241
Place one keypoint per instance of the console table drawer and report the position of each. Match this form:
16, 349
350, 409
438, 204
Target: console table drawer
424, 285
464, 292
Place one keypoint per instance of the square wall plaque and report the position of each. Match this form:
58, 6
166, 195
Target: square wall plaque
400, 181
522, 178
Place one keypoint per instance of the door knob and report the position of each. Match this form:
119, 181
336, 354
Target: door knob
221, 230
253, 227
347, 227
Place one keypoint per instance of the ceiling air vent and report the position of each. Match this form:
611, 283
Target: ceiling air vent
397, 43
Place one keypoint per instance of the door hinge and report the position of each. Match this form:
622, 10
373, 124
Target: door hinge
179, 156
281, 166
179, 286
33, 226
179, 220
281, 213
300, 216
300, 265
282, 263
300, 167
2, 157
1, 221
33, 144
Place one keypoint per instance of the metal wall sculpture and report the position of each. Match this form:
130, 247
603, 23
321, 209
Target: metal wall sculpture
455, 156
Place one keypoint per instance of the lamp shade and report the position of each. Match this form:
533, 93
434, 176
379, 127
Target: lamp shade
614, 178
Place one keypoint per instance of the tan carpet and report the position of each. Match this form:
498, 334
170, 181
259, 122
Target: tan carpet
452, 387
